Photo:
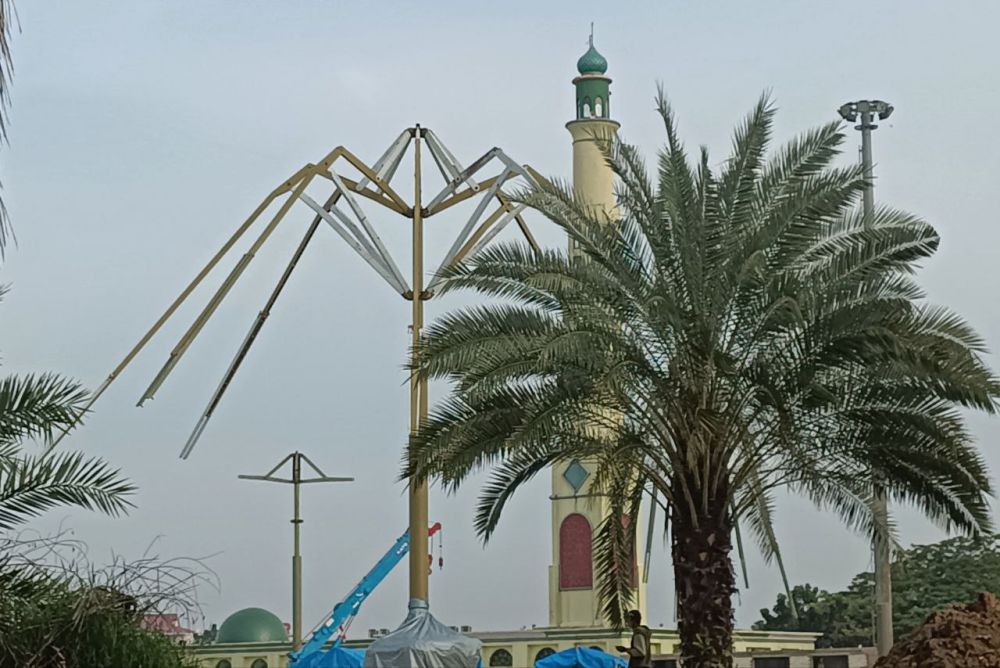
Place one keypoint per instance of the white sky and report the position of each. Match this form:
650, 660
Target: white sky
144, 132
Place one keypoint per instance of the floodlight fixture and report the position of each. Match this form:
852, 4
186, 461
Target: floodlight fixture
849, 112
867, 110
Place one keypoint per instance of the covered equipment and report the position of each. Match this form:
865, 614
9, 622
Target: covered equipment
422, 641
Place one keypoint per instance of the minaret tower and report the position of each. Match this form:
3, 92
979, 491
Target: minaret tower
592, 179
577, 512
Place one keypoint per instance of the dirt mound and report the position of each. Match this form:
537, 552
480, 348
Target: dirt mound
962, 636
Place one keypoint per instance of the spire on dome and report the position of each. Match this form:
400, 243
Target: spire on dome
592, 62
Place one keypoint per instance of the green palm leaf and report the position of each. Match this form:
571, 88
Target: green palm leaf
31, 485
35, 407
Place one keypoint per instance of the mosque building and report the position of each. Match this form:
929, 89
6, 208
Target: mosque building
255, 638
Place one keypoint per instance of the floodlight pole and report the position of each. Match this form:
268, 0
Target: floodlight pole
865, 111
296, 482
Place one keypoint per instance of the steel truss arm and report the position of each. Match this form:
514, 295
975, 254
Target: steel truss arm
370, 194
220, 294
446, 161
356, 230
473, 219
452, 186
466, 245
255, 328
460, 197
372, 235
366, 171
386, 165
355, 240
182, 297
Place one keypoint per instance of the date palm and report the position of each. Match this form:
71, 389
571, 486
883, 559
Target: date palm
727, 333
8, 21
34, 408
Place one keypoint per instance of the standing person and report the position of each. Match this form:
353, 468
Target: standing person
639, 654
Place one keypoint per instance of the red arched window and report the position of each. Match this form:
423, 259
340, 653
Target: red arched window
576, 553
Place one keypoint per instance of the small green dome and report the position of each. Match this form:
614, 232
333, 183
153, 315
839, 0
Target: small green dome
592, 62
252, 625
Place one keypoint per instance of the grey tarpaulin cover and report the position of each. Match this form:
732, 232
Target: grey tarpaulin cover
423, 642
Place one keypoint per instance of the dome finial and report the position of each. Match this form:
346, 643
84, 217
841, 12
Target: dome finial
592, 62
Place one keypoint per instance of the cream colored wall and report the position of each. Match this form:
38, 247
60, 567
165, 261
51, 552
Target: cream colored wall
523, 651
593, 181
573, 608
210, 656
765, 643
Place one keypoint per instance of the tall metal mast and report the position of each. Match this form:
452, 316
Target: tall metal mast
296, 481
866, 110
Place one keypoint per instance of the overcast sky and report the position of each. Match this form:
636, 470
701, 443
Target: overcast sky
144, 132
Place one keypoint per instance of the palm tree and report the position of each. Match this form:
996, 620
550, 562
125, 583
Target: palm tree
8, 20
35, 408
727, 334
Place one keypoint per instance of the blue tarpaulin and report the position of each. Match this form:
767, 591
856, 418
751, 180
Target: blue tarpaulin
335, 657
581, 657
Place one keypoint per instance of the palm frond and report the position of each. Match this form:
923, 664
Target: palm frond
36, 406
30, 485
8, 25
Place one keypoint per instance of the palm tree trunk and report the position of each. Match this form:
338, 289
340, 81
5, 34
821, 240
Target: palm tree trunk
705, 582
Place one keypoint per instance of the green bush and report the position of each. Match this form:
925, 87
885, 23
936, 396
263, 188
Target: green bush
50, 622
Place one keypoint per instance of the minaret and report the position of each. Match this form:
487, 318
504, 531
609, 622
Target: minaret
577, 511
592, 179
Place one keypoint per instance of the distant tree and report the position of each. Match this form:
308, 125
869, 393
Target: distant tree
929, 577
925, 578
844, 618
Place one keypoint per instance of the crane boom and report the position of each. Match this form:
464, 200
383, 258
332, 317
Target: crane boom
346, 609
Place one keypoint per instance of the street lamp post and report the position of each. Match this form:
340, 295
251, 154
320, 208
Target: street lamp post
865, 111
296, 481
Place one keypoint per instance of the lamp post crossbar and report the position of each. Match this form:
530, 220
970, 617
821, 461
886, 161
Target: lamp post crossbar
296, 458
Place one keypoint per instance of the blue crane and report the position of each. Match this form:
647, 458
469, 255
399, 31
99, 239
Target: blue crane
343, 613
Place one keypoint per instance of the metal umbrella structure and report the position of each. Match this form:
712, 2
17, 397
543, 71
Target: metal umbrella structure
348, 184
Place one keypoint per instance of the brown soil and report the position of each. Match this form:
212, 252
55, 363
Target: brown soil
961, 636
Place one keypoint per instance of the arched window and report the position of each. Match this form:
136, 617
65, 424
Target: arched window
586, 108
599, 108
544, 652
501, 657
259, 663
576, 553
224, 663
